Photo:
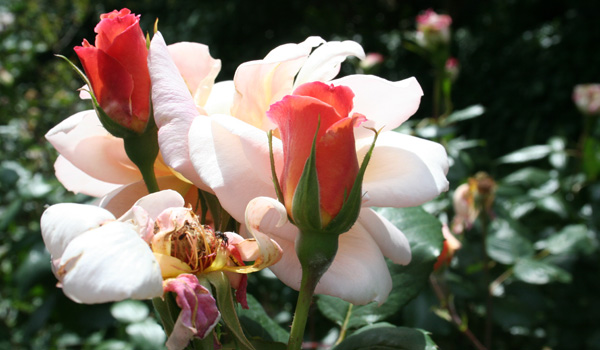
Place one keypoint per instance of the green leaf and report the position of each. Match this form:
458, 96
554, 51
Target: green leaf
526, 154
226, 306
540, 272
257, 323
505, 244
387, 338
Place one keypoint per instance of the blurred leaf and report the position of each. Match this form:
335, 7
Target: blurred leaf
258, 324
505, 244
387, 338
529, 176
554, 204
546, 189
129, 311
35, 266
540, 272
465, 114
569, 240
147, 334
526, 154
114, 345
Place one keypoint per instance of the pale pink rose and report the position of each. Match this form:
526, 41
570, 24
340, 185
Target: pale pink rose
433, 28
94, 162
230, 154
587, 98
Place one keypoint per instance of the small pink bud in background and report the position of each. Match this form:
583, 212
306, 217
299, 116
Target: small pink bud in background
587, 98
433, 28
371, 60
452, 68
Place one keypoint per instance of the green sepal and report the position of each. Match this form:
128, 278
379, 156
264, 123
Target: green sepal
142, 150
306, 204
273, 172
348, 214
110, 125
226, 306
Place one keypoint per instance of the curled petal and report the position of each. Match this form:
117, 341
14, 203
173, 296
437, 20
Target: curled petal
199, 313
404, 171
269, 251
109, 263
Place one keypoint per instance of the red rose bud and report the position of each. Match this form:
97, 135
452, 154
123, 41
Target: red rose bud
117, 70
319, 113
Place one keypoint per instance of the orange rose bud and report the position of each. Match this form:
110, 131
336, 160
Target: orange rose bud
117, 70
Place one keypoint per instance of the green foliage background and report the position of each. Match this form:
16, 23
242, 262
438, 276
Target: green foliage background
519, 59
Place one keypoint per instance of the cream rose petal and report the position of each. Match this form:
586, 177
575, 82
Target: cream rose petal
324, 63
260, 83
109, 263
84, 142
61, 223
404, 171
358, 274
232, 158
392, 242
121, 200
221, 97
395, 101
197, 67
78, 181
174, 109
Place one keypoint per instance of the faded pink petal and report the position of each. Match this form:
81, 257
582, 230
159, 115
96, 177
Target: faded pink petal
199, 313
